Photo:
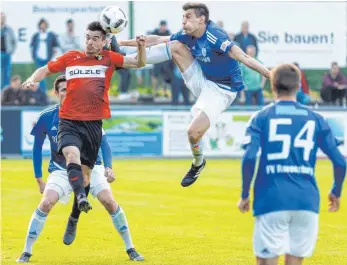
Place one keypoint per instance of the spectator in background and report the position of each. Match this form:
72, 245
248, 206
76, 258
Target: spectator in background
162, 70
44, 44
69, 41
245, 38
8, 46
254, 82
334, 86
35, 98
220, 24
13, 95
178, 86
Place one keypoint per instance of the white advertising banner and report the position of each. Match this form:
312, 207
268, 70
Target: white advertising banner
29, 119
225, 138
23, 17
310, 33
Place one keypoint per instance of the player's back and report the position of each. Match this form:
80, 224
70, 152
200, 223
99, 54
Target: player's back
290, 136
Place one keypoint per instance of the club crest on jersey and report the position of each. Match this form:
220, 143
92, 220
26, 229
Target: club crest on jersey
203, 51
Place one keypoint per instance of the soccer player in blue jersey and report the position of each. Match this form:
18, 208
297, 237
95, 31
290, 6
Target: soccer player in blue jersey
286, 196
208, 60
58, 187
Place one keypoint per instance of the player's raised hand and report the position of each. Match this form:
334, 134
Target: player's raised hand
334, 204
243, 205
109, 174
30, 85
141, 40
41, 184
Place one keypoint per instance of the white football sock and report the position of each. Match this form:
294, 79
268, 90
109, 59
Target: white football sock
155, 54
197, 151
120, 222
36, 224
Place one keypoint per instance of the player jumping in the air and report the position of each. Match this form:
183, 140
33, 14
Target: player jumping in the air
59, 188
208, 60
88, 77
286, 196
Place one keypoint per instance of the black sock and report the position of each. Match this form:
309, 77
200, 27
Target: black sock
75, 213
74, 172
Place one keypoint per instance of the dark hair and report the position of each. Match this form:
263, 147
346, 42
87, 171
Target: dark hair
199, 8
285, 79
96, 26
163, 23
69, 21
334, 64
57, 81
42, 20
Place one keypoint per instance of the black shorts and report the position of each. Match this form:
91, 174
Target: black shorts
85, 135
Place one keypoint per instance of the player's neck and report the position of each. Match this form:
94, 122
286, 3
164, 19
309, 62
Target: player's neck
199, 32
286, 98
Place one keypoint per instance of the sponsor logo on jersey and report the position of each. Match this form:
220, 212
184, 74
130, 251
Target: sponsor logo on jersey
224, 45
96, 71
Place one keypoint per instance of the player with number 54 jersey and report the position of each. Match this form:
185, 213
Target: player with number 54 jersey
286, 196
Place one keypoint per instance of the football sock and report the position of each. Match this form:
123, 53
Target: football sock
75, 213
120, 222
155, 54
74, 172
36, 224
197, 151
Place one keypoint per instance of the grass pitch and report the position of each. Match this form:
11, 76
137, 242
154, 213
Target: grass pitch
169, 224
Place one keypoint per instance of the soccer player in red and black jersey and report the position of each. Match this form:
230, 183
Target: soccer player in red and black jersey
88, 76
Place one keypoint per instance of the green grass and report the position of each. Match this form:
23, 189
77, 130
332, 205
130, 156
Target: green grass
169, 224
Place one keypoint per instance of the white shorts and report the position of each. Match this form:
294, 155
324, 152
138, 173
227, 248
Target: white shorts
211, 99
59, 182
285, 232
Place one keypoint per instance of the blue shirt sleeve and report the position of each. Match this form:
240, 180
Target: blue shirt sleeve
39, 133
106, 151
181, 37
251, 144
220, 41
329, 145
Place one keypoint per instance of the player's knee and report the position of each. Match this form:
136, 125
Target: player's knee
109, 204
178, 48
71, 157
194, 135
46, 205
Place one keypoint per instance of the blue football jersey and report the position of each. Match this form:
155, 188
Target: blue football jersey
211, 51
47, 125
288, 135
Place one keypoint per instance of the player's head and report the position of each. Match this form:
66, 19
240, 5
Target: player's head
195, 17
60, 88
285, 80
95, 38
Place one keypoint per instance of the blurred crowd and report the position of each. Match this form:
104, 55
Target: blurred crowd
166, 84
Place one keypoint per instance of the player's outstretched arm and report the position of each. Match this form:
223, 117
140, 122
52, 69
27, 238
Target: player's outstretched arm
151, 40
237, 54
141, 59
40, 74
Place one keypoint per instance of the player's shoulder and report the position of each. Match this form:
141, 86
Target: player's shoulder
261, 115
48, 112
215, 32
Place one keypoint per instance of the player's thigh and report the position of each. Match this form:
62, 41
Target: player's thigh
98, 181
270, 238
303, 233
58, 181
194, 78
181, 55
68, 136
91, 134
213, 101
